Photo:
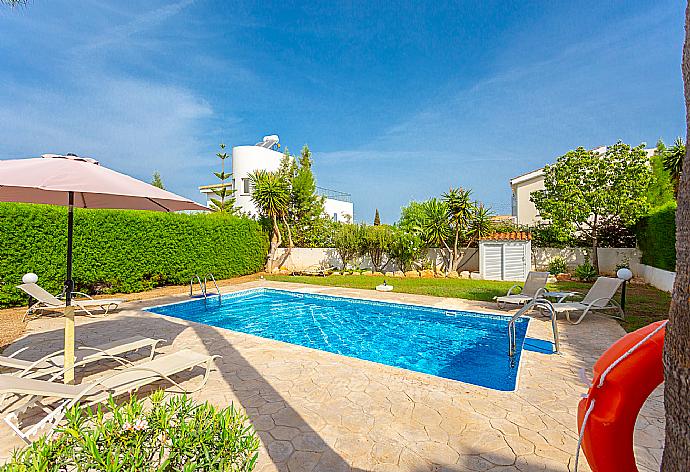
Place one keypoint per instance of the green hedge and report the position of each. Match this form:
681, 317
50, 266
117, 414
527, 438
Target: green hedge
656, 237
122, 250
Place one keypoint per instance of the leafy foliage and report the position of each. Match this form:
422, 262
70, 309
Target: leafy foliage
271, 195
122, 250
585, 190
376, 244
348, 241
661, 189
225, 203
452, 224
405, 248
586, 272
172, 435
673, 162
305, 213
656, 237
557, 265
156, 180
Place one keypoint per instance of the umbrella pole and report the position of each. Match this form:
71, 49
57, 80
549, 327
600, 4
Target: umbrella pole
69, 308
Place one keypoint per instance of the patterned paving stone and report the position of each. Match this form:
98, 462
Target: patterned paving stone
317, 411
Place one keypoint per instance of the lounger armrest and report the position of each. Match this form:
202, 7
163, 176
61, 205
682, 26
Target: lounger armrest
61, 372
135, 368
18, 351
592, 304
540, 293
510, 290
30, 368
82, 294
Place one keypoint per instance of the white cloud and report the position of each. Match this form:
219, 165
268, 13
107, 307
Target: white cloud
133, 126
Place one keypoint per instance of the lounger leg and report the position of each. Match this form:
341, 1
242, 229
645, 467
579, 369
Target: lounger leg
567, 315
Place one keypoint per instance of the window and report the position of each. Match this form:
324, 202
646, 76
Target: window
246, 187
335, 217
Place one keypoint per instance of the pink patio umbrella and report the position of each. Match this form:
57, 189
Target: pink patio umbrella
80, 182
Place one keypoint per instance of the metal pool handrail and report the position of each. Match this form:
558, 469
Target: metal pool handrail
542, 304
213, 279
202, 286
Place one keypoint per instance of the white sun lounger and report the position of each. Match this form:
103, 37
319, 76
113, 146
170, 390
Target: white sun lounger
31, 392
47, 301
54, 362
598, 298
534, 286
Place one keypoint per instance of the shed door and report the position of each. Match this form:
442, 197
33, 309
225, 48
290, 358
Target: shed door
493, 262
514, 262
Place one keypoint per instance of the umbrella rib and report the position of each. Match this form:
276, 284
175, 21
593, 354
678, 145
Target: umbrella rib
153, 201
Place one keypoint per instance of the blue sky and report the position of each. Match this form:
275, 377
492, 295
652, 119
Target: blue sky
397, 101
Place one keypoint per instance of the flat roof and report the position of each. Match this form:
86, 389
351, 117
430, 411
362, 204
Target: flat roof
528, 176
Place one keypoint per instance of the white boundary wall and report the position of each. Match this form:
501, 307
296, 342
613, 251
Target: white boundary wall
316, 258
303, 259
659, 278
609, 257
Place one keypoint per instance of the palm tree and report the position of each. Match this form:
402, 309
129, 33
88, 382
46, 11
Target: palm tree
673, 162
480, 224
676, 346
460, 210
271, 195
434, 229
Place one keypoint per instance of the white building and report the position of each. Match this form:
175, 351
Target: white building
522, 186
263, 156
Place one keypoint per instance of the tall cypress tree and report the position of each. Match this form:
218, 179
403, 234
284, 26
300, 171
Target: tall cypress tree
377, 218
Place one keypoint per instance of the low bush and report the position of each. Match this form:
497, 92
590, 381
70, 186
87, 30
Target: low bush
557, 265
405, 249
656, 237
171, 435
585, 272
123, 250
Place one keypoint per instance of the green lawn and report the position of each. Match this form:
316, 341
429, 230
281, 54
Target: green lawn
644, 304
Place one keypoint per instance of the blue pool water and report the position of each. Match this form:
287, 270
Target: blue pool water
458, 345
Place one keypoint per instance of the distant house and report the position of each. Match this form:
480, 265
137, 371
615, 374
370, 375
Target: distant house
524, 212
264, 156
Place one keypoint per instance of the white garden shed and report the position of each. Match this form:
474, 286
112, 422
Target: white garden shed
505, 256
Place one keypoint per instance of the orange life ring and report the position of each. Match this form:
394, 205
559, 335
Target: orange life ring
622, 382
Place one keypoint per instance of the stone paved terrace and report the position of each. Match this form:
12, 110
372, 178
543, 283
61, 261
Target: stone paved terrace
319, 411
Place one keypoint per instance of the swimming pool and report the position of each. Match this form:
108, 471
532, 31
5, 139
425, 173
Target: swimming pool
458, 345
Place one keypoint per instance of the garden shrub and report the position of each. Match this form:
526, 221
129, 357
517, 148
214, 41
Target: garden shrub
586, 272
122, 250
558, 265
656, 237
169, 435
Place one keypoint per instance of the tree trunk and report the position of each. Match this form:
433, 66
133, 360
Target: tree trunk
275, 243
677, 343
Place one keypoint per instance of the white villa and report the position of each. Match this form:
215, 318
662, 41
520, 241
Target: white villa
523, 210
264, 156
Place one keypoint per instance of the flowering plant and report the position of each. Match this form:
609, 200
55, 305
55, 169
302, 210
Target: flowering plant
173, 434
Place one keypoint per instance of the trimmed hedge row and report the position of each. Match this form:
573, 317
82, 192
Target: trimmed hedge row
122, 250
656, 237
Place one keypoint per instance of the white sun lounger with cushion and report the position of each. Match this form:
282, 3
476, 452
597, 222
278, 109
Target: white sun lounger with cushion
47, 301
54, 362
598, 298
534, 286
30, 392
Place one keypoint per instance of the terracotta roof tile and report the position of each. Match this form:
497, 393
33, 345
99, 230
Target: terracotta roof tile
514, 236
